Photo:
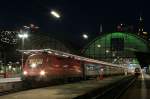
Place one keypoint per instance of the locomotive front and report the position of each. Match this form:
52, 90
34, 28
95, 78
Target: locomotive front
34, 66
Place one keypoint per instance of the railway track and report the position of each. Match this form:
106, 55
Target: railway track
112, 91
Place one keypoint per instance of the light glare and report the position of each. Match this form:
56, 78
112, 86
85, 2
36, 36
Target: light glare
55, 14
42, 73
33, 65
85, 36
107, 51
23, 35
98, 45
25, 72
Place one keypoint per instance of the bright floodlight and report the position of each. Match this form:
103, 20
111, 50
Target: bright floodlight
85, 36
55, 14
23, 35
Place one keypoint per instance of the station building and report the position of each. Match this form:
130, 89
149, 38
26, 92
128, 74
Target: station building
118, 48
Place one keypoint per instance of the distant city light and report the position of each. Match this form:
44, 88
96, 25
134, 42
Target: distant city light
85, 36
26, 27
31, 26
8, 37
55, 14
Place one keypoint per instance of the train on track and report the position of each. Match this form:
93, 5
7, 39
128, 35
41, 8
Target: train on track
137, 71
49, 65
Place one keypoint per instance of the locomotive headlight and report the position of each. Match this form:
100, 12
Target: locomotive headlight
25, 72
42, 72
33, 65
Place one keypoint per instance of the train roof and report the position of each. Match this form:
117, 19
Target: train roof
64, 54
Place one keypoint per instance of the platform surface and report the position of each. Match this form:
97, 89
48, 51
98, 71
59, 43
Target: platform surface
5, 80
66, 91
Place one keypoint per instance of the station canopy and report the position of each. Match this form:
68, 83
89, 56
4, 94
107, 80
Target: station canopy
116, 46
38, 41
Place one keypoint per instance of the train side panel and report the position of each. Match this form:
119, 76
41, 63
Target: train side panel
91, 69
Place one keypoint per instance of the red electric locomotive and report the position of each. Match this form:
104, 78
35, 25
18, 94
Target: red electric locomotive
50, 66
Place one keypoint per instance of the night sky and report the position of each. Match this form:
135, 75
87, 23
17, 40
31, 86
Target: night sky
77, 16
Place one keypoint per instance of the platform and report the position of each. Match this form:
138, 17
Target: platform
6, 80
66, 91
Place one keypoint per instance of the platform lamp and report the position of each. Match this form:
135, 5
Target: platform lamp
22, 35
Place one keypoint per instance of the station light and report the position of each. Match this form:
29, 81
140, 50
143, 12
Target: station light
55, 14
25, 72
10, 67
107, 51
14, 69
98, 45
23, 35
85, 36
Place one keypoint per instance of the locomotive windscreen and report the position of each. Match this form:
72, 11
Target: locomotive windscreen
34, 62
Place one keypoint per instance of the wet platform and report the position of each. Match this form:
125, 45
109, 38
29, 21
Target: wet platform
66, 91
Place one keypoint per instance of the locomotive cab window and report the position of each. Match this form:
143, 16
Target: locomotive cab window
33, 63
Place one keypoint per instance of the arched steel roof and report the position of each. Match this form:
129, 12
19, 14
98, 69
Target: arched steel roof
101, 47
